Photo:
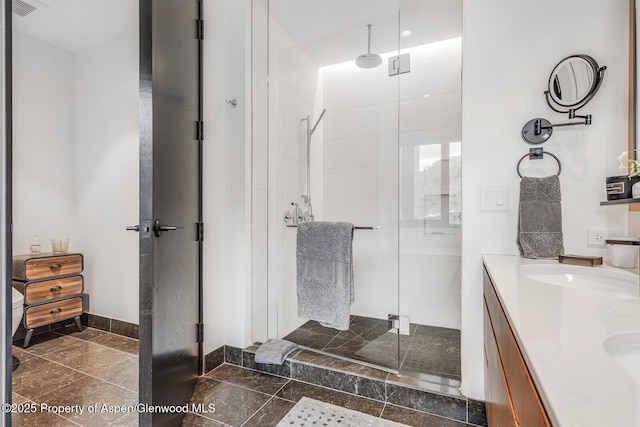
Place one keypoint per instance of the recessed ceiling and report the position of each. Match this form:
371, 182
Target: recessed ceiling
77, 25
330, 31
334, 31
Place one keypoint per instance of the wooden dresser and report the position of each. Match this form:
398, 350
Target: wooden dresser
52, 286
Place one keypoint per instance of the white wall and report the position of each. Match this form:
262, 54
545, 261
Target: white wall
43, 143
510, 49
106, 175
226, 198
278, 167
295, 92
76, 161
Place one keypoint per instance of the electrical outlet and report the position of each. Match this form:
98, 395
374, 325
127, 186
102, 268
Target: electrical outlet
599, 237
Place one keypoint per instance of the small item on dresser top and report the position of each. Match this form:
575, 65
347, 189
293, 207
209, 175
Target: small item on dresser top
34, 248
585, 260
623, 251
60, 246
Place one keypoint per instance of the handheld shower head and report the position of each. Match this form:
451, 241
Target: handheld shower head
318, 121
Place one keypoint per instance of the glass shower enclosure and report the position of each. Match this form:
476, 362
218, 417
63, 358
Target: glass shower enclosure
357, 118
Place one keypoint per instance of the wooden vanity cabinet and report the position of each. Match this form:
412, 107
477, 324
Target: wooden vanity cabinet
511, 396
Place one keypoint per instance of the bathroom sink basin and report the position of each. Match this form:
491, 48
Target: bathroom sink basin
625, 350
588, 278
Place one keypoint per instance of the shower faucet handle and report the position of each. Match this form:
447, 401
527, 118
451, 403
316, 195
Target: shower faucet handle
298, 216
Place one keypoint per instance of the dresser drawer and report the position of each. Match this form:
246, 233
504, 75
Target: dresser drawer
35, 292
46, 266
44, 314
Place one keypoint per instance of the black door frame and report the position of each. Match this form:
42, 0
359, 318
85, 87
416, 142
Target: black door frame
6, 201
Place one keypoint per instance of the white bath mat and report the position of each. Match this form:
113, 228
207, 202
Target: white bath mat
313, 413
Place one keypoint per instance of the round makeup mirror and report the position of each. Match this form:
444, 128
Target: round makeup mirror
573, 83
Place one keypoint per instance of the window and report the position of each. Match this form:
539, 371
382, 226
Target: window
430, 184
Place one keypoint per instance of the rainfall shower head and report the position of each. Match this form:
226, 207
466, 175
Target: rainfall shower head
368, 60
22, 8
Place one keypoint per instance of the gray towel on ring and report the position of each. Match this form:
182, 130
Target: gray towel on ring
540, 218
324, 263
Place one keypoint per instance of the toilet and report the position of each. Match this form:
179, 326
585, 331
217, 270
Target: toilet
17, 299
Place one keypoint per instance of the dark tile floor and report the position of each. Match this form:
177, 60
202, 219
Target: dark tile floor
68, 368
428, 351
247, 398
96, 367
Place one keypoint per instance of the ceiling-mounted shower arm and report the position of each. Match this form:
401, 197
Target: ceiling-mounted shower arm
369, 39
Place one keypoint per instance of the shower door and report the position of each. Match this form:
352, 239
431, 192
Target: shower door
430, 191
352, 153
384, 156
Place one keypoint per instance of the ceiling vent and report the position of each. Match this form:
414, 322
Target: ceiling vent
22, 8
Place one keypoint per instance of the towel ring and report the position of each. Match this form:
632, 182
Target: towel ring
537, 153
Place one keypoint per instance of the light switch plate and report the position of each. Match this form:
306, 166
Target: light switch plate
493, 199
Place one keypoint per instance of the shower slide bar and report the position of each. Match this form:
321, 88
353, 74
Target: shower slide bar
357, 227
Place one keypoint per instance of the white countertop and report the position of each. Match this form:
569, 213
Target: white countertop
561, 332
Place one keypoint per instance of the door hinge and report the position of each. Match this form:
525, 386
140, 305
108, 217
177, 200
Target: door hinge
200, 130
200, 228
399, 64
200, 29
399, 324
200, 333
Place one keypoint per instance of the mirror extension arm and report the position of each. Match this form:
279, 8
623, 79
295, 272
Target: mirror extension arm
537, 131
539, 126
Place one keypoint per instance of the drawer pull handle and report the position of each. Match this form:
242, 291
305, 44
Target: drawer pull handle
55, 267
55, 310
55, 288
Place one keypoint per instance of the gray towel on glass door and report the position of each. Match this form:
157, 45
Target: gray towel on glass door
324, 261
274, 351
540, 218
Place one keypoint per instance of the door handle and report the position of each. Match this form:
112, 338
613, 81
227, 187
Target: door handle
133, 228
158, 227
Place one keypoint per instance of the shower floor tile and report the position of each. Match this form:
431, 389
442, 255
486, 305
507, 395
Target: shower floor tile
428, 352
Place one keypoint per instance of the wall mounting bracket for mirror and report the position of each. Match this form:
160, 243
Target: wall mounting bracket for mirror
572, 84
537, 131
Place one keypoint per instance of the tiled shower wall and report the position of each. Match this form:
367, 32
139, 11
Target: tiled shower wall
279, 167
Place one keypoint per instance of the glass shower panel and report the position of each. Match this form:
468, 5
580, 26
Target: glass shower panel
259, 179
353, 153
430, 210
